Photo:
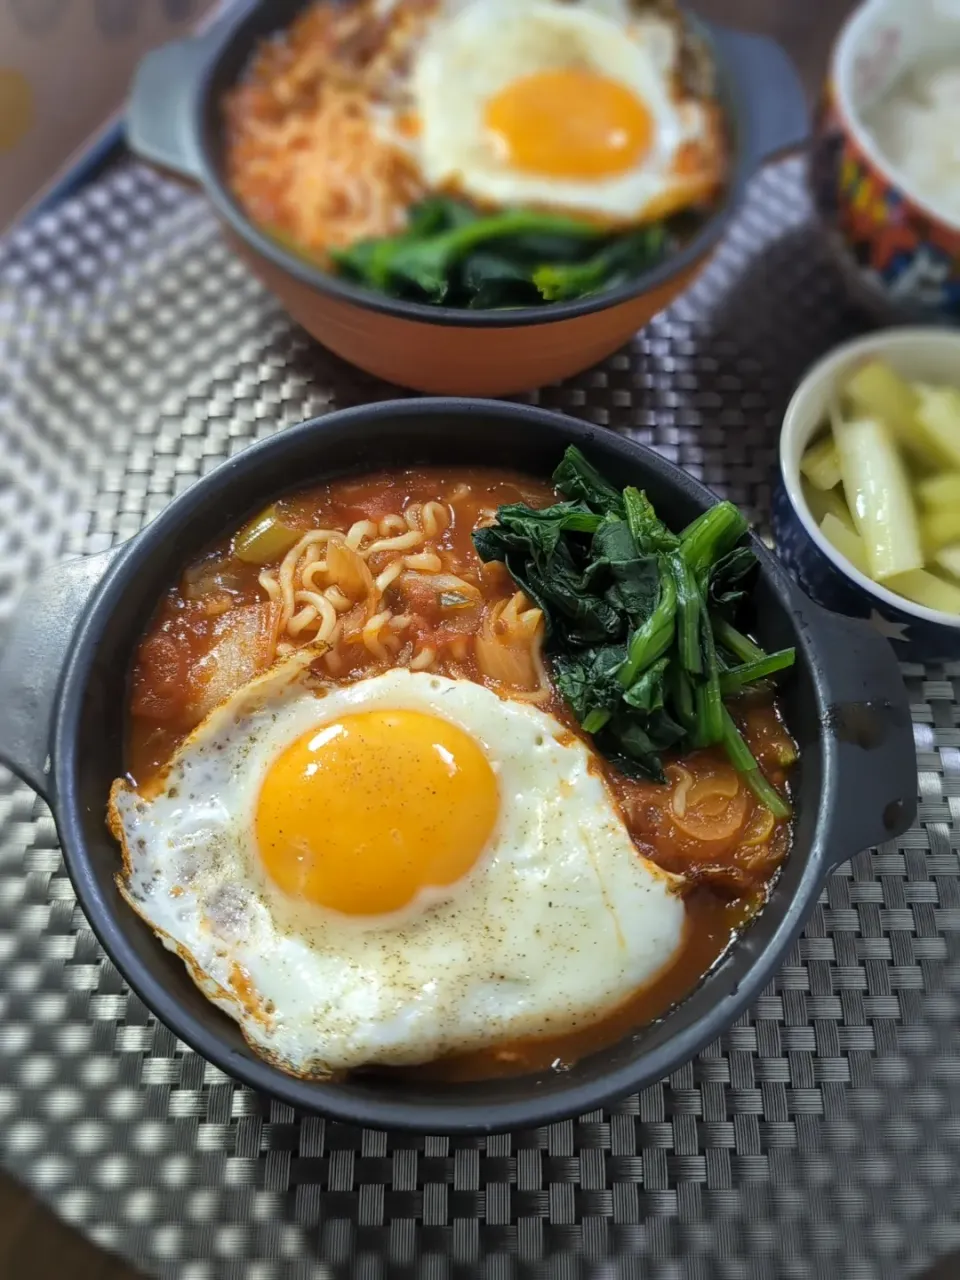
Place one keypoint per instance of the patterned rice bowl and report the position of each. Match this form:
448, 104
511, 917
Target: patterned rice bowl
899, 253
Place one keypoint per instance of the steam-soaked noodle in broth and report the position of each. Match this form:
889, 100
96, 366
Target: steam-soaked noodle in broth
381, 570
305, 157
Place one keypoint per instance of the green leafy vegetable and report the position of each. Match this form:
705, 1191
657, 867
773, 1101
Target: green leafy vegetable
711, 536
550, 567
616, 263
741, 646
689, 604
682, 696
633, 581
590, 682
639, 619
424, 257
494, 280
575, 477
728, 581
647, 691
649, 531
630, 741
735, 679
654, 636
742, 759
708, 698
450, 253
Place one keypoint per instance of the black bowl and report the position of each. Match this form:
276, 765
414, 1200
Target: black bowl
63, 692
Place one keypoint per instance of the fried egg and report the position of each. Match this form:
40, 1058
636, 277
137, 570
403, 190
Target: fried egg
571, 106
393, 870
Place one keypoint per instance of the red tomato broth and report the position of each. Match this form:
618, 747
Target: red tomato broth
704, 824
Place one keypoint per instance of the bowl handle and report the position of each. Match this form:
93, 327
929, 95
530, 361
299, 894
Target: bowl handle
777, 113
162, 104
869, 727
35, 650
162, 120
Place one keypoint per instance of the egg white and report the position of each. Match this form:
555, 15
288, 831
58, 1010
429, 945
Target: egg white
559, 920
476, 49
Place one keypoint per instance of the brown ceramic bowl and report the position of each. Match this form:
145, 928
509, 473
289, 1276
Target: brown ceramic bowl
174, 120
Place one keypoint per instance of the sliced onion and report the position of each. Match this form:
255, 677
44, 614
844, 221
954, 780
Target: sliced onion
681, 790
348, 570
759, 829
443, 582
509, 643
245, 646
710, 808
725, 784
210, 577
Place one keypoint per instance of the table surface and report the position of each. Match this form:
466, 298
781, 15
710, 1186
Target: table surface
32, 1240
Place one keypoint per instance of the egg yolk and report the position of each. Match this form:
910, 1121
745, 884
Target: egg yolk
569, 123
363, 814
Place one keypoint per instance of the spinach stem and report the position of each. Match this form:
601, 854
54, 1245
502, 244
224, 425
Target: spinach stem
735, 679
711, 536
742, 759
736, 643
427, 260
684, 701
710, 704
689, 606
656, 635
595, 721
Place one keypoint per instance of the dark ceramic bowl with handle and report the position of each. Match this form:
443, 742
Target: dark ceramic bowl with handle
62, 705
174, 120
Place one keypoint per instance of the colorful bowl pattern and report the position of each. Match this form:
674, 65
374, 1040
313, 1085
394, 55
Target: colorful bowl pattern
903, 254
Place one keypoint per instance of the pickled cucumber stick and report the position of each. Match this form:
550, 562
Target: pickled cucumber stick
882, 482
876, 391
927, 589
848, 543
821, 466
878, 492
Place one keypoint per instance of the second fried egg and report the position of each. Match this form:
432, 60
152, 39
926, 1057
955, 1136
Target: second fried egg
394, 870
574, 107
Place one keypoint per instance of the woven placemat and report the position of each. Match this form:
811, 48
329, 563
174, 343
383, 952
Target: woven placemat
819, 1138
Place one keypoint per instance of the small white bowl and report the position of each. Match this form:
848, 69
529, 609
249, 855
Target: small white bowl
918, 634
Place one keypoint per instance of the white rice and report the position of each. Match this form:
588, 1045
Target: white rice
916, 127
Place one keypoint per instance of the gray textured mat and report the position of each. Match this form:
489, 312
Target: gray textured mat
819, 1138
